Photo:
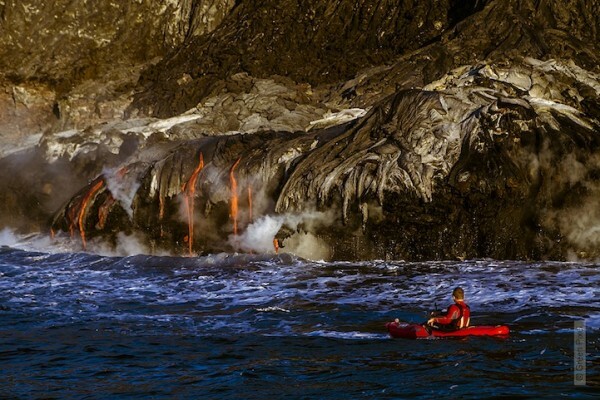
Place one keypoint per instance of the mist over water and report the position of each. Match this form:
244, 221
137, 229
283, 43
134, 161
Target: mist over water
258, 236
264, 326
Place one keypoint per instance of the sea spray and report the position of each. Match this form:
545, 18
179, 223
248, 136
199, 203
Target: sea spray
7, 237
32, 241
126, 245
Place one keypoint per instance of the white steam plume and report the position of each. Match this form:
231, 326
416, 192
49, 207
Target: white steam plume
578, 223
30, 242
122, 186
307, 245
8, 238
258, 236
127, 245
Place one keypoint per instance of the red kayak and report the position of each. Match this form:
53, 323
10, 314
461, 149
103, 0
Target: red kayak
417, 331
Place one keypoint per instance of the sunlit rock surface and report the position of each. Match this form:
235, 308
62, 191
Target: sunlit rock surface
85, 56
414, 130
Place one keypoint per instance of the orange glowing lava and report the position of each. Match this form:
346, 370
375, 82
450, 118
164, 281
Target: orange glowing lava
189, 189
234, 196
72, 217
104, 211
161, 207
83, 210
161, 212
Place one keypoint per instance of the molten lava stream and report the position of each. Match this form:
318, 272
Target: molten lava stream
83, 208
104, 211
161, 212
234, 196
189, 189
72, 217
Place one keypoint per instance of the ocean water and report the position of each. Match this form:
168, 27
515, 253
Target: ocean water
233, 326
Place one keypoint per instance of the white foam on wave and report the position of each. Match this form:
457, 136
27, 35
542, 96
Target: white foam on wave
355, 335
241, 290
273, 309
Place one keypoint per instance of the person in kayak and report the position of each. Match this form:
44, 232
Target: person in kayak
456, 317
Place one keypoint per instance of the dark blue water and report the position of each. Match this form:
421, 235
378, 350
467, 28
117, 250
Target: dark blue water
76, 325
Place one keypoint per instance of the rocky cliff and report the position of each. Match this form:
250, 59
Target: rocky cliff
348, 130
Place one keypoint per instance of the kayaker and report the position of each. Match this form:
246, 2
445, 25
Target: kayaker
456, 317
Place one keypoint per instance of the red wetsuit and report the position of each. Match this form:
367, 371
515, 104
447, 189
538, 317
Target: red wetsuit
457, 317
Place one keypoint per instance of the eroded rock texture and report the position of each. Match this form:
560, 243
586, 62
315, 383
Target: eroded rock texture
86, 56
317, 42
349, 130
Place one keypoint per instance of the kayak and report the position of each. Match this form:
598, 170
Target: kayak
417, 331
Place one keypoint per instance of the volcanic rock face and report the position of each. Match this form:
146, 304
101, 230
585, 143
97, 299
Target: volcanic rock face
415, 130
317, 42
72, 64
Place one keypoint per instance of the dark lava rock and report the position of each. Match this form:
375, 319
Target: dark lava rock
474, 165
319, 42
472, 131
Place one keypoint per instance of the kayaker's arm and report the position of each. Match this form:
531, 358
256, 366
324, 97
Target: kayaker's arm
444, 319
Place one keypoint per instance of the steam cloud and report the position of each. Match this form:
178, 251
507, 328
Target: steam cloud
579, 221
258, 236
127, 245
122, 187
29, 242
